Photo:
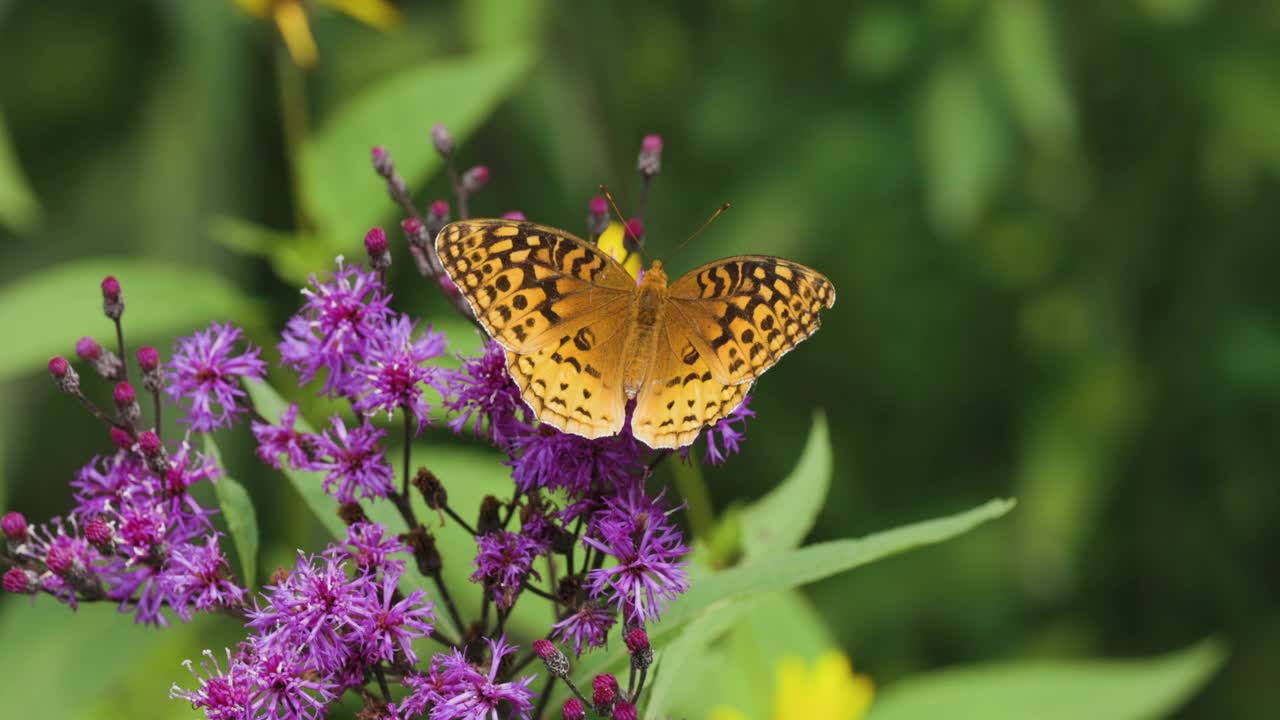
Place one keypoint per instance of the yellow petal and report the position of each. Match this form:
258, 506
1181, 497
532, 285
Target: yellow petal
376, 13
292, 22
726, 713
830, 690
610, 241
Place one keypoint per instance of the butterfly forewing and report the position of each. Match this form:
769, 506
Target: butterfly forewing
529, 284
744, 313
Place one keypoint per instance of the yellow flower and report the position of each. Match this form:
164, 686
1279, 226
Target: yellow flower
610, 241
829, 690
291, 19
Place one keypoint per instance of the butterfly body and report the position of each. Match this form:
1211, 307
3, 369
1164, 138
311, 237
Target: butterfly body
582, 336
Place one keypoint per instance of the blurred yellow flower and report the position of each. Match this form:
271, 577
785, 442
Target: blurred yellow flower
290, 18
829, 690
610, 241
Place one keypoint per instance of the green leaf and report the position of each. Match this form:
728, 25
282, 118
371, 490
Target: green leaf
1025, 56
783, 571
238, 511
344, 196
669, 664
18, 206
1053, 689
293, 256
781, 519
52, 308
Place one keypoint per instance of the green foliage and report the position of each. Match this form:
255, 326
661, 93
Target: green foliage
238, 513
18, 206
780, 520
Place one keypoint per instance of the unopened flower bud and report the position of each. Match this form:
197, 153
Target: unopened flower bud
120, 438
475, 178
414, 232
64, 375
573, 710
489, 520
604, 693
126, 400
649, 162
598, 215
153, 451
635, 232
59, 559
14, 526
149, 361
624, 711
112, 302
514, 215
381, 161
425, 551
555, 660
375, 242
437, 217
351, 513
19, 581
638, 645
441, 138
104, 362
433, 492
99, 533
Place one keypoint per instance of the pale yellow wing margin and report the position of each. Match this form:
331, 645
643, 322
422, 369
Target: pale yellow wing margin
575, 383
744, 313
680, 395
529, 284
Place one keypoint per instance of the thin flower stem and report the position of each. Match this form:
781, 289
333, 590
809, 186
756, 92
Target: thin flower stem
555, 583
542, 593
124, 362
296, 126
155, 403
449, 604
511, 509
96, 412
644, 673
645, 181
440, 637
408, 450
382, 683
459, 192
484, 610
502, 621
693, 488
544, 697
458, 519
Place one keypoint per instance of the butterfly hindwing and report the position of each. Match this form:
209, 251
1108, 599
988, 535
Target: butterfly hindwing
744, 313
529, 285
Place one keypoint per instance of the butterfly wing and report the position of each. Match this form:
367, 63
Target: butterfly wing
529, 285
558, 305
680, 395
742, 314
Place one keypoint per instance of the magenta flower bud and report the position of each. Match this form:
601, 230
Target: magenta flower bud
381, 161
99, 533
441, 138
573, 710
475, 178
124, 395
599, 205
624, 711
638, 645
59, 367
148, 358
514, 215
60, 559
112, 303
604, 692
65, 376
19, 581
598, 216
414, 231
149, 443
120, 438
375, 241
438, 209
557, 663
635, 230
649, 163
88, 349
14, 526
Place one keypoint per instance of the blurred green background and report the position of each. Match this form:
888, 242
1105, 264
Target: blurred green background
1052, 227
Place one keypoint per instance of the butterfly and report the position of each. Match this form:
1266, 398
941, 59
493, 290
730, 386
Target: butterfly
582, 336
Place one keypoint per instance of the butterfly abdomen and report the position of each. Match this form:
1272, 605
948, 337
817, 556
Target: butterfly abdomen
642, 339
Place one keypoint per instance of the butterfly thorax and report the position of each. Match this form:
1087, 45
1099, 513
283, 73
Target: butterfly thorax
642, 339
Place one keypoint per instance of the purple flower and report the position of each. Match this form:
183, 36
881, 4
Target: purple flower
106, 481
204, 376
587, 627
730, 431
221, 694
483, 390
194, 577
282, 439
68, 558
504, 560
635, 530
383, 624
341, 316
284, 689
371, 548
468, 695
394, 372
353, 461
548, 458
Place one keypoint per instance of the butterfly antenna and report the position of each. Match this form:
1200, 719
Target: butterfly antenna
626, 228
716, 214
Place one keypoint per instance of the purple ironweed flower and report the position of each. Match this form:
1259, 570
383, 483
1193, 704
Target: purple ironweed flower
395, 372
587, 627
371, 548
283, 689
469, 695
384, 624
204, 376
194, 578
68, 558
334, 327
312, 610
483, 389
221, 694
137, 587
635, 530
282, 439
549, 458
353, 461
730, 431
504, 560
424, 691
106, 481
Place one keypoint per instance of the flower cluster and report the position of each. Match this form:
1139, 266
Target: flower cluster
579, 530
